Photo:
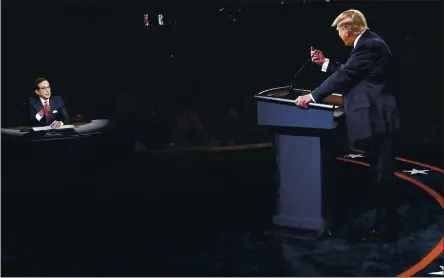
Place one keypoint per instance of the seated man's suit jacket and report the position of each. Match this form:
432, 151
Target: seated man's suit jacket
365, 82
58, 111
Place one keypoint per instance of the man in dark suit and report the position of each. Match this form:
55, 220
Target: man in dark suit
45, 109
370, 107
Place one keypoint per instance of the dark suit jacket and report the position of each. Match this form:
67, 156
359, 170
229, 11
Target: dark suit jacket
58, 111
366, 86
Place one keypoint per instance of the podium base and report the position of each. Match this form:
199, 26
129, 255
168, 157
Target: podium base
298, 227
297, 234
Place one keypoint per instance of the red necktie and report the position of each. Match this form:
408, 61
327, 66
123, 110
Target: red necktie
46, 112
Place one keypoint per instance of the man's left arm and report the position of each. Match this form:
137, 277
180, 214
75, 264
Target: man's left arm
350, 73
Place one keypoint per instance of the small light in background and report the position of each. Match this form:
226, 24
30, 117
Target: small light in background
221, 9
327, 1
160, 17
282, 2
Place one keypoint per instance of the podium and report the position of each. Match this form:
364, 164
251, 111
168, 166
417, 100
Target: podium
304, 145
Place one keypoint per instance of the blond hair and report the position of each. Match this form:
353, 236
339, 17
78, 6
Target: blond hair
351, 20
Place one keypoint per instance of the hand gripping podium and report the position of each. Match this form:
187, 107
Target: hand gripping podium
304, 156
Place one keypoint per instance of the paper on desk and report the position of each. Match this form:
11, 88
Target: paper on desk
66, 126
48, 127
41, 128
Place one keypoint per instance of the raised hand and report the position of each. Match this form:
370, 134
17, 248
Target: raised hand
317, 56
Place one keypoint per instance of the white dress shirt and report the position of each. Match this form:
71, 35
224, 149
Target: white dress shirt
325, 64
38, 116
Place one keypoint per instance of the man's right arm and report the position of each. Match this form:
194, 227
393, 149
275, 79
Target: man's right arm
38, 116
330, 67
318, 57
32, 113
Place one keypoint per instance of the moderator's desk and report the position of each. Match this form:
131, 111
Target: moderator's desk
81, 129
81, 148
304, 155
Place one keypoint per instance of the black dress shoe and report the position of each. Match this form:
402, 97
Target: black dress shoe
375, 236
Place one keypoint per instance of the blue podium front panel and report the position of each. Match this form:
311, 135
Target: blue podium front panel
300, 179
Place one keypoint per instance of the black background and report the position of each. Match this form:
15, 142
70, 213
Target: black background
92, 50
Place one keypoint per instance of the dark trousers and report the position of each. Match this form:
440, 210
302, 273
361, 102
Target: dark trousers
380, 151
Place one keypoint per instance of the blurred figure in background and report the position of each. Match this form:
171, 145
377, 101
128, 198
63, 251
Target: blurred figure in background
233, 128
189, 130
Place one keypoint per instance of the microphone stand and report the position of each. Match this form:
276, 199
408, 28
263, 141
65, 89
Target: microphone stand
303, 66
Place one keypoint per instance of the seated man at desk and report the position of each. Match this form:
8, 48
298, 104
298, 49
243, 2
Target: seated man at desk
45, 110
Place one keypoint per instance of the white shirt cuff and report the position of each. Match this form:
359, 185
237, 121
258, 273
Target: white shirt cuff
38, 117
312, 98
61, 123
325, 65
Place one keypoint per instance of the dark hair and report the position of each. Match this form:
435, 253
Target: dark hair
38, 81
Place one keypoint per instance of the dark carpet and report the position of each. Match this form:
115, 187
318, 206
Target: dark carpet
197, 214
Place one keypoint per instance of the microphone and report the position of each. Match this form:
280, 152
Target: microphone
299, 71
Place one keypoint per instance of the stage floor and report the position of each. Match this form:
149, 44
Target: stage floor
208, 214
